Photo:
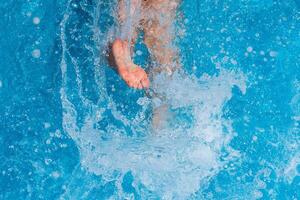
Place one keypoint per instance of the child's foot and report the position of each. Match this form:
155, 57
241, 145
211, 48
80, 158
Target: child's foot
132, 74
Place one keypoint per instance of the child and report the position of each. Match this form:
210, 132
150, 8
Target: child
155, 18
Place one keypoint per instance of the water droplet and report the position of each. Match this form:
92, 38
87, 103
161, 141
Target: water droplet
139, 53
36, 20
254, 138
48, 161
273, 53
143, 101
74, 5
257, 194
234, 62
36, 53
250, 49
55, 174
47, 125
48, 141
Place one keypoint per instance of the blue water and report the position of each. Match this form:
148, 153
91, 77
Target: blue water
71, 129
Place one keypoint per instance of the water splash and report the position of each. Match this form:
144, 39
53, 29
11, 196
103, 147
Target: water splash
172, 164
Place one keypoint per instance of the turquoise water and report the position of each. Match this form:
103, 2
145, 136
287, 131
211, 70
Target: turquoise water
71, 129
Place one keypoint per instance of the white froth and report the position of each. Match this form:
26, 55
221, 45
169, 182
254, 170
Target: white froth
249, 49
139, 52
273, 53
36, 20
47, 125
290, 172
174, 163
36, 53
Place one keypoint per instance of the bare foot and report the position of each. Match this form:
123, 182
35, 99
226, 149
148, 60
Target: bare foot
133, 75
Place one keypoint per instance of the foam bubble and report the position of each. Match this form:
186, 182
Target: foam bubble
174, 163
55, 174
36, 20
171, 163
233, 61
290, 170
36, 53
139, 52
257, 194
254, 138
47, 125
273, 53
250, 49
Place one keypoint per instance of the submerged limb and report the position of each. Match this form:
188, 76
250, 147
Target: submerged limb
128, 18
159, 36
160, 117
133, 75
159, 41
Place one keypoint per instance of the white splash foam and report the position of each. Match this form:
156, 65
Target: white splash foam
175, 163
36, 20
172, 164
290, 172
36, 53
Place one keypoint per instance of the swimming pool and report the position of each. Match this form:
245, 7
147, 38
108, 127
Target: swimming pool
71, 129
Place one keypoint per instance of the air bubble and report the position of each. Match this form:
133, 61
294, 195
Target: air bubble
139, 53
234, 62
48, 161
48, 141
47, 125
250, 49
273, 54
143, 101
36, 53
257, 194
36, 20
74, 5
55, 174
254, 138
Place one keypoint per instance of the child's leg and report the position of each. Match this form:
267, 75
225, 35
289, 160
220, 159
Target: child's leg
159, 41
129, 17
159, 35
159, 38
133, 75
